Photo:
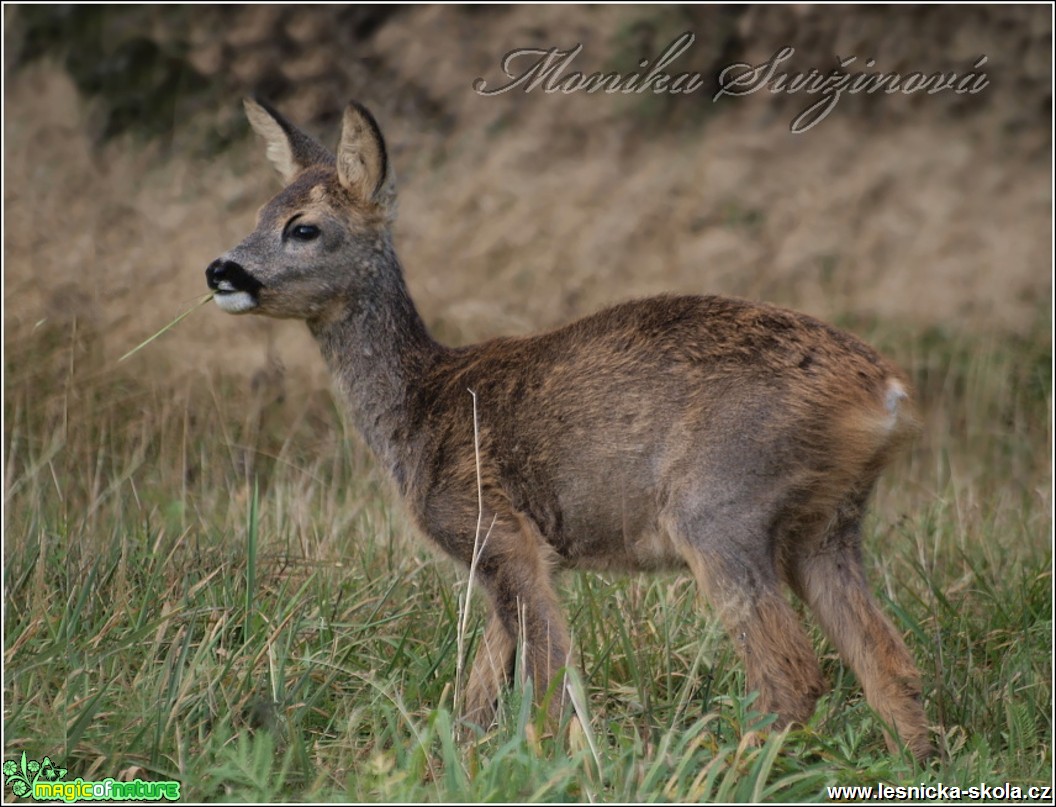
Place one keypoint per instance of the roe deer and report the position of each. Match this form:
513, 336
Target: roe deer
737, 439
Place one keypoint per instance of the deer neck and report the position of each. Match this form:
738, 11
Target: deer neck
378, 348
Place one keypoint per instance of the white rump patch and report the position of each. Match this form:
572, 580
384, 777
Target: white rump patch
235, 302
896, 393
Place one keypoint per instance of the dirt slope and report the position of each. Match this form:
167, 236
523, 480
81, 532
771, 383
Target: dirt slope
522, 211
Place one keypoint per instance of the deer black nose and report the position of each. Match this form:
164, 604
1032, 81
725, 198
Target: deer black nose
225, 275
219, 270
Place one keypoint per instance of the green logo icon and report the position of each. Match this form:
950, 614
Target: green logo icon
22, 774
46, 781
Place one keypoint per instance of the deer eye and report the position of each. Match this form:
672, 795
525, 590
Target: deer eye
304, 232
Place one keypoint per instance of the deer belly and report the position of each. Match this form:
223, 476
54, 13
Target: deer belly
624, 535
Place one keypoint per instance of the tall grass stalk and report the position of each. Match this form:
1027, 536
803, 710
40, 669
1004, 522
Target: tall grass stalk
478, 547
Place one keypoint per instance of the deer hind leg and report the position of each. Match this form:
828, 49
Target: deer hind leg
515, 571
737, 575
830, 578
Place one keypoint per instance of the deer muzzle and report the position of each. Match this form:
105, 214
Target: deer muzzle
234, 289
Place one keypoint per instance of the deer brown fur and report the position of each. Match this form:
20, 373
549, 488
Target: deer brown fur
737, 439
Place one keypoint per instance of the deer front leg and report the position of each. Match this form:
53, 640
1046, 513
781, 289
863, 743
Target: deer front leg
526, 615
492, 667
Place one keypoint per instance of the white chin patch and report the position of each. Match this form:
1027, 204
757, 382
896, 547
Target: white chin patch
235, 302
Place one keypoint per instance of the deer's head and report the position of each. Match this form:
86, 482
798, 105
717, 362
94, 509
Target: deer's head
318, 244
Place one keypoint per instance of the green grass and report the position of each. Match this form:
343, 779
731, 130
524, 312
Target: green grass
208, 584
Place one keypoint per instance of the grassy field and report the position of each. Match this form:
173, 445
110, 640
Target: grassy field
208, 584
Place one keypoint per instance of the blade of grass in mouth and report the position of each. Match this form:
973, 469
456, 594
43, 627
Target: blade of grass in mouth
202, 301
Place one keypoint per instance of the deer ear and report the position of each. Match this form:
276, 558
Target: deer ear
362, 161
289, 149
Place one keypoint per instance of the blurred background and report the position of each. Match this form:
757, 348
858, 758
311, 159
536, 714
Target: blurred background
128, 167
